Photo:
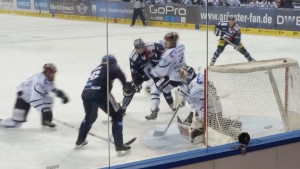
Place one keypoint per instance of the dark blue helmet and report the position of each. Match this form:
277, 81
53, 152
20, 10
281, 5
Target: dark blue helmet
231, 18
109, 58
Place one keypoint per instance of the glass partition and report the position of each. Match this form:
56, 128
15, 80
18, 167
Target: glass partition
197, 76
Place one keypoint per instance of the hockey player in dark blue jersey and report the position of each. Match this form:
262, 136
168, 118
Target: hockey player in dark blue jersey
95, 96
144, 56
230, 34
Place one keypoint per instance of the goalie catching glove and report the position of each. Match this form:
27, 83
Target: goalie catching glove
62, 95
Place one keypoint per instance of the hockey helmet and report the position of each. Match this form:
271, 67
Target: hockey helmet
187, 73
139, 43
109, 59
172, 38
231, 18
49, 67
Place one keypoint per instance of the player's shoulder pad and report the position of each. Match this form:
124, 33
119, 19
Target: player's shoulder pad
236, 27
224, 23
159, 47
134, 55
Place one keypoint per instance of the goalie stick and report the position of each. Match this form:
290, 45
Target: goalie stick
94, 135
161, 133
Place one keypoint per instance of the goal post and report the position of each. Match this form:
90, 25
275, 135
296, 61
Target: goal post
261, 98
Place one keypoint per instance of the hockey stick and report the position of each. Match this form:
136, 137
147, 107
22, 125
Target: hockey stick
94, 135
73, 127
161, 133
229, 42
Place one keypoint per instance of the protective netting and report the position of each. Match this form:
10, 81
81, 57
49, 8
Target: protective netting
261, 98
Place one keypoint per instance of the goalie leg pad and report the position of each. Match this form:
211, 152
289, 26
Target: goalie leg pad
197, 136
191, 128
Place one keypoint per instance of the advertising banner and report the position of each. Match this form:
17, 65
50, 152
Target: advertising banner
7, 4
287, 19
41, 5
62, 8
167, 13
83, 8
122, 10
23, 4
246, 17
279, 19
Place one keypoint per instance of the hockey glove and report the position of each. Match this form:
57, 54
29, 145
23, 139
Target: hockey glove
137, 88
217, 31
128, 89
61, 94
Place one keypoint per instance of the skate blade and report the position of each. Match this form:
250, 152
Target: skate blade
123, 153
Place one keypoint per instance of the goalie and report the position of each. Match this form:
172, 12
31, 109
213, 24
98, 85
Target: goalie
191, 91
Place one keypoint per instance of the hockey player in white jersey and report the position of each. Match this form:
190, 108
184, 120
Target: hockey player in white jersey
165, 73
191, 91
34, 92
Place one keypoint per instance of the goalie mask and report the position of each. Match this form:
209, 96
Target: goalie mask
187, 74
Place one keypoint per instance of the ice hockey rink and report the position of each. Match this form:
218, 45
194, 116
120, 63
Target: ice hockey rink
76, 47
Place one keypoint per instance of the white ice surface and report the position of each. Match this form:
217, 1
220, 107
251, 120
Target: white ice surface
76, 47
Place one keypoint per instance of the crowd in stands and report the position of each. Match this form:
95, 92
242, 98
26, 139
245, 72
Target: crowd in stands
235, 3
227, 3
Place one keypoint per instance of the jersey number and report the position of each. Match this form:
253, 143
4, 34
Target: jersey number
95, 73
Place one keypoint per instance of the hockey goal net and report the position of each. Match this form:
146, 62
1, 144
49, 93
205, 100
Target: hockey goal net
261, 98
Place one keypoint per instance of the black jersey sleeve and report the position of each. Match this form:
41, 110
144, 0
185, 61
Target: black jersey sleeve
117, 73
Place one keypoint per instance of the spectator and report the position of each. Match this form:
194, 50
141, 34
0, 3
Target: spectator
234, 2
223, 3
253, 4
263, 4
288, 4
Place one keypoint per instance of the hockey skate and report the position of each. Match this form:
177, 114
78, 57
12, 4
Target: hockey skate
252, 60
80, 144
123, 148
9, 123
48, 124
153, 114
212, 63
